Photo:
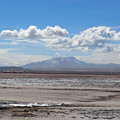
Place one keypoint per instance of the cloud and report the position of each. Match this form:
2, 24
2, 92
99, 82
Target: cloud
95, 39
34, 33
92, 39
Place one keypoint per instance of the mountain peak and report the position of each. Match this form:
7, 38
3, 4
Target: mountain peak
64, 60
59, 62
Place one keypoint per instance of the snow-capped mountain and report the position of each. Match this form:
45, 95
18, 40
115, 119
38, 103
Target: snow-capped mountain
57, 63
66, 63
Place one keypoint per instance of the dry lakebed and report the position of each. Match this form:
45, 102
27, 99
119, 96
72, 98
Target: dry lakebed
59, 97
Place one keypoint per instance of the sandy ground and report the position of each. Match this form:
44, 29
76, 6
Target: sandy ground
68, 96
77, 103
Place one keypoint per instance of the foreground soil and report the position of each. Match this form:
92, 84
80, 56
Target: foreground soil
60, 113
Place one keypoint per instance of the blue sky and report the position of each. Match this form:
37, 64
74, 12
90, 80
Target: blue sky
85, 29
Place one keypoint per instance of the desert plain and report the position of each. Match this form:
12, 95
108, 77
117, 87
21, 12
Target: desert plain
25, 96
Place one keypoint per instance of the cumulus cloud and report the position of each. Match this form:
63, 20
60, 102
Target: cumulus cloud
34, 33
96, 38
92, 39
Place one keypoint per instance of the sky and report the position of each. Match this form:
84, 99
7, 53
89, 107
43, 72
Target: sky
36, 30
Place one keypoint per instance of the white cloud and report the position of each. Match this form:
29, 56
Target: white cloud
95, 39
34, 33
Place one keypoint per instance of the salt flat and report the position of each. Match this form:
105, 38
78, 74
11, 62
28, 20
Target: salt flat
79, 96
71, 96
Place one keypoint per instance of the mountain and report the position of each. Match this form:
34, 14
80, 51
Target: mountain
66, 63
57, 63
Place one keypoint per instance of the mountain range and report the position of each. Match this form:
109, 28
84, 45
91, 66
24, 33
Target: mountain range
67, 63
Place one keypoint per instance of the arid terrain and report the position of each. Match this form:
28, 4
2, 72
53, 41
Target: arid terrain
59, 96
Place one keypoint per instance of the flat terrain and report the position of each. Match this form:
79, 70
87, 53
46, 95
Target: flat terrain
64, 96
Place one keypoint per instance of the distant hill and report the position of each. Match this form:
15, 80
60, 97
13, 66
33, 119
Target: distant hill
68, 63
12, 69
